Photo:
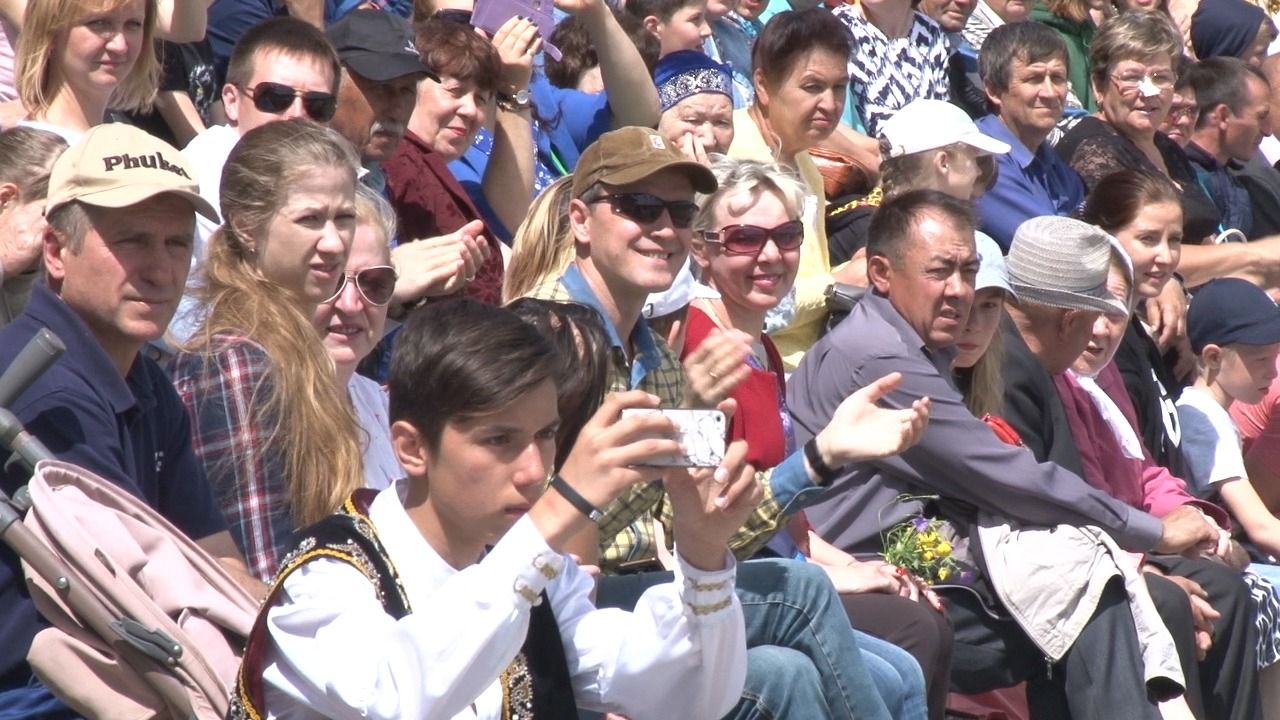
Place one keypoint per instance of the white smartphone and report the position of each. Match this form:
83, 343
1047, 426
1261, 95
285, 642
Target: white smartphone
700, 432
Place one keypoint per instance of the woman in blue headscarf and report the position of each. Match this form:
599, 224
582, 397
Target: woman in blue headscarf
696, 97
1231, 28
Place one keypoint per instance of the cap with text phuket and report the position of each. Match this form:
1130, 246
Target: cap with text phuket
631, 154
377, 45
1232, 311
117, 165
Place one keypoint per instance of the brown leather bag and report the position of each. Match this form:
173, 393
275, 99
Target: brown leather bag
841, 174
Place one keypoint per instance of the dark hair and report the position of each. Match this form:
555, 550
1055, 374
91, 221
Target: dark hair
578, 51
1222, 81
1182, 66
287, 36
661, 9
895, 221
460, 358
582, 361
457, 50
1030, 42
1118, 198
791, 35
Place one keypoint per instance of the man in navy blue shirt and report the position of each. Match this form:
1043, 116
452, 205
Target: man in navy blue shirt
121, 213
1024, 71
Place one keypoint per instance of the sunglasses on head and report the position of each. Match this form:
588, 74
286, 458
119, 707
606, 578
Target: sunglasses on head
375, 284
645, 208
750, 239
275, 98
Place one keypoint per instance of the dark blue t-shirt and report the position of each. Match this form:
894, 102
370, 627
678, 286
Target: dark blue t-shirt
131, 430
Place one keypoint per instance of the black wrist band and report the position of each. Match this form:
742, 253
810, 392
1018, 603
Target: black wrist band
826, 475
582, 504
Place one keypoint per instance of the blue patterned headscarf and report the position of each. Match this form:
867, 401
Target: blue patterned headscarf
689, 72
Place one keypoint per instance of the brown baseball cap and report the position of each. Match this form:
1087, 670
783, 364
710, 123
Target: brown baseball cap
632, 154
117, 165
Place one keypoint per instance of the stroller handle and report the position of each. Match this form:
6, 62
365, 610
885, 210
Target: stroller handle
40, 352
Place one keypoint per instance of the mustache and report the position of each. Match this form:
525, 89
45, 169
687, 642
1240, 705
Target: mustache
389, 127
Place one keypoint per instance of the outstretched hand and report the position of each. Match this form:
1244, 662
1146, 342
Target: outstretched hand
715, 368
862, 430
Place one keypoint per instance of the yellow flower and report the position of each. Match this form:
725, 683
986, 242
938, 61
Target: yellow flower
944, 572
928, 556
944, 549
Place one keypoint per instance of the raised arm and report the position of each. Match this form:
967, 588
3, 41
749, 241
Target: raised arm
633, 98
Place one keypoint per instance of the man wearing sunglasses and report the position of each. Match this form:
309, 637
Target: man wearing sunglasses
281, 69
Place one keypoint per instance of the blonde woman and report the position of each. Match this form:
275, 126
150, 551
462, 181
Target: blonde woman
278, 438
78, 58
542, 246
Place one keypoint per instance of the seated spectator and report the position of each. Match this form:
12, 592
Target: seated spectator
1184, 111
1235, 333
26, 155
432, 591
1231, 28
579, 65
801, 84
929, 144
1133, 77
115, 251
1076, 22
695, 94
734, 29
979, 361
276, 436
991, 14
74, 59
962, 64
351, 324
1024, 70
747, 249
678, 24
899, 54
543, 245
909, 323
281, 69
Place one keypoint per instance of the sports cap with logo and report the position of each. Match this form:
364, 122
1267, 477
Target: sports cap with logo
925, 124
632, 154
117, 165
377, 45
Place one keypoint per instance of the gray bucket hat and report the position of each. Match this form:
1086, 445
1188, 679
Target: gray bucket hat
1063, 263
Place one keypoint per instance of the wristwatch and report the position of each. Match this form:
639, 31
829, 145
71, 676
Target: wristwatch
515, 102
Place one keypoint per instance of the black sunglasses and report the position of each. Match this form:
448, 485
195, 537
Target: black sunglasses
645, 208
375, 284
275, 98
750, 239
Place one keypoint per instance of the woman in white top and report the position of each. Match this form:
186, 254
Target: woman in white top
351, 324
447, 595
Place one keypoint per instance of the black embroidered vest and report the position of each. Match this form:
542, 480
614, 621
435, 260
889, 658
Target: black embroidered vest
535, 685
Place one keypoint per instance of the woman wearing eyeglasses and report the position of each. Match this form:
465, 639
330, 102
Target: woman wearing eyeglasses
77, 58
351, 324
746, 245
277, 437
1133, 78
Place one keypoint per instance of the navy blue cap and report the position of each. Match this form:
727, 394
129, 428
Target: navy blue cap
685, 73
1232, 311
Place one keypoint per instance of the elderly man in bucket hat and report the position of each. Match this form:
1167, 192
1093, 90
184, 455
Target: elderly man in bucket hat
121, 211
922, 264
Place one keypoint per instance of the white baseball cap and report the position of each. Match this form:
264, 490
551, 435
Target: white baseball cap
932, 124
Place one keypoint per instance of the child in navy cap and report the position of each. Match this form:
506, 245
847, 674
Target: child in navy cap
1234, 328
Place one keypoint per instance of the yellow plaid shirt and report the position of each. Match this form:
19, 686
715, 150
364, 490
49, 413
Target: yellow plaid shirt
626, 530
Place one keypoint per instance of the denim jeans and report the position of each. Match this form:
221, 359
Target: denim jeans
897, 676
802, 660
33, 702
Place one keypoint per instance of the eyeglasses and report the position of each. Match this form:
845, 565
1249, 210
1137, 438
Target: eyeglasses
1162, 79
275, 98
1183, 112
375, 284
750, 239
645, 208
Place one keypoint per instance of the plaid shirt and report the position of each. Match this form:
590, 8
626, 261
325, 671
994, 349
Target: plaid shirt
225, 391
626, 530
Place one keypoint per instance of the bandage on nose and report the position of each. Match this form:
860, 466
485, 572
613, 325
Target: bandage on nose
1146, 88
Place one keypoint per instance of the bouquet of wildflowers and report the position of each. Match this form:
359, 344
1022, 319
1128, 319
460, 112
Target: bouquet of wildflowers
919, 545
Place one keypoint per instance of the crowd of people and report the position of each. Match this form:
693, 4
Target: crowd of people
409, 333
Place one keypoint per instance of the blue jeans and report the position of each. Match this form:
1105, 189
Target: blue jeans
802, 659
33, 702
897, 676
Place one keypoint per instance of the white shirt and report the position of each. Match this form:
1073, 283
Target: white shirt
1210, 442
335, 653
369, 399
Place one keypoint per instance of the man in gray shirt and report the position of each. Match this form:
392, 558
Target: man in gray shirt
921, 265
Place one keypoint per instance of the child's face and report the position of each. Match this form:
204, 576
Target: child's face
1246, 371
686, 30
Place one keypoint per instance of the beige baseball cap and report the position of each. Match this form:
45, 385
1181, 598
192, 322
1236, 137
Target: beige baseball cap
116, 165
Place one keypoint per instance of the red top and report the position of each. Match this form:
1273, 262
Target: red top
429, 201
759, 416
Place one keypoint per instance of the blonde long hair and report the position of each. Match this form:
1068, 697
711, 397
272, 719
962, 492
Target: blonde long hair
315, 426
543, 245
45, 21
